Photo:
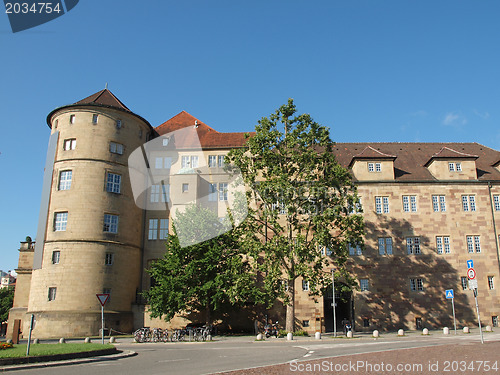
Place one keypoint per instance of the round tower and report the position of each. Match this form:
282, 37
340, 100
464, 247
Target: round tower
93, 234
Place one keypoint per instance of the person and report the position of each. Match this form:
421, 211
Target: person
345, 322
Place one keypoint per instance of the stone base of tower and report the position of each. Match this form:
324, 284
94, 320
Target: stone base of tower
67, 324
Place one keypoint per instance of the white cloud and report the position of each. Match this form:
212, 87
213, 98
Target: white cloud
454, 119
484, 116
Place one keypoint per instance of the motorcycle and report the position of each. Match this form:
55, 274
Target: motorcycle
271, 330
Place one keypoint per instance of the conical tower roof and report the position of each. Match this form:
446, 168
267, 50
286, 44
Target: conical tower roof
103, 99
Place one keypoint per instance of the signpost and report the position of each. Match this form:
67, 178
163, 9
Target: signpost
450, 295
103, 298
32, 325
471, 274
333, 304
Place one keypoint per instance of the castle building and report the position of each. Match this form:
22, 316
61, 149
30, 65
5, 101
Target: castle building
428, 209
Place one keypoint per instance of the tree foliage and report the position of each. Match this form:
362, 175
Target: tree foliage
204, 277
300, 222
6, 301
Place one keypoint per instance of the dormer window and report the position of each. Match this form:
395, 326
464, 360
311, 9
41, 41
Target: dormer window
374, 167
455, 167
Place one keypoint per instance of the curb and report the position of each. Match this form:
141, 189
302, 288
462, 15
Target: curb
112, 357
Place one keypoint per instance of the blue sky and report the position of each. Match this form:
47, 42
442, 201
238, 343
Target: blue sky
375, 70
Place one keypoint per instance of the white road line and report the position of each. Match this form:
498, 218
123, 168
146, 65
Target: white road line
175, 360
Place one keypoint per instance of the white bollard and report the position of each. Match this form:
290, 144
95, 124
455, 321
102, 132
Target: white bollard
488, 329
87, 340
375, 334
317, 335
112, 339
62, 340
425, 331
289, 336
349, 335
446, 331
260, 337
401, 332
36, 341
466, 329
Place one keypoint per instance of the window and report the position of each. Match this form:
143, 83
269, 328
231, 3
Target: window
155, 193
52, 294
374, 167
65, 180
305, 323
110, 223
165, 141
163, 229
113, 183
280, 207
108, 260
56, 256
416, 285
328, 252
72, 119
496, 202
212, 192
56, 123
118, 124
469, 202
451, 167
223, 191
382, 205
385, 245
463, 281
364, 285
491, 284
165, 162
69, 144
116, 148
153, 229
221, 160
458, 167
305, 285
189, 162
413, 245
455, 167
212, 161
494, 321
473, 244
443, 244
409, 203
165, 193
185, 188
95, 117
353, 250
438, 203
366, 322
60, 221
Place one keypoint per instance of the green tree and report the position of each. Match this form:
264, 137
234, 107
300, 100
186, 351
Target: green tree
300, 221
203, 277
6, 301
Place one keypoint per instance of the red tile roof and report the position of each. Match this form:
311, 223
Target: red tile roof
448, 153
209, 138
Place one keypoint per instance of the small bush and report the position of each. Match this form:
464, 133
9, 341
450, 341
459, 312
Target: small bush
300, 333
282, 332
5, 345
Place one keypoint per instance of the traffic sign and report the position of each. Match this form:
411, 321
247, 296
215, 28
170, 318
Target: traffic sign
470, 264
472, 284
449, 293
103, 298
471, 273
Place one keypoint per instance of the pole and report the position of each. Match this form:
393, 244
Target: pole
454, 321
333, 304
29, 336
102, 324
478, 318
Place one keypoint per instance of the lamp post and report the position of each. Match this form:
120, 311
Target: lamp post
333, 304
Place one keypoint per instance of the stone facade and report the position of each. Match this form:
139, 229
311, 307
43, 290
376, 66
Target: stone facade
428, 208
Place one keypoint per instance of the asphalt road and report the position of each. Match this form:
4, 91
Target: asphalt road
236, 353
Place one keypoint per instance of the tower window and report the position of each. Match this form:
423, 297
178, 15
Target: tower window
108, 261
113, 183
110, 223
185, 188
116, 148
69, 144
52, 294
72, 119
56, 256
95, 117
65, 180
60, 221
118, 124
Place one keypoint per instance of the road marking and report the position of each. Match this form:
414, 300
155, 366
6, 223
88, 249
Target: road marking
175, 360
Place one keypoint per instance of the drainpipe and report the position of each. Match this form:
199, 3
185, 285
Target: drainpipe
494, 225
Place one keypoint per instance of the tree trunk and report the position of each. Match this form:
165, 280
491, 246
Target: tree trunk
208, 316
290, 308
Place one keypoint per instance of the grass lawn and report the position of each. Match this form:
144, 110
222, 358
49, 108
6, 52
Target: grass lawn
50, 349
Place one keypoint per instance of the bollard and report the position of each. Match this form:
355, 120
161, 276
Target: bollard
425, 332
260, 337
488, 329
62, 340
87, 340
36, 341
466, 330
401, 332
112, 339
375, 334
209, 338
446, 331
317, 335
349, 335
289, 336
9, 341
